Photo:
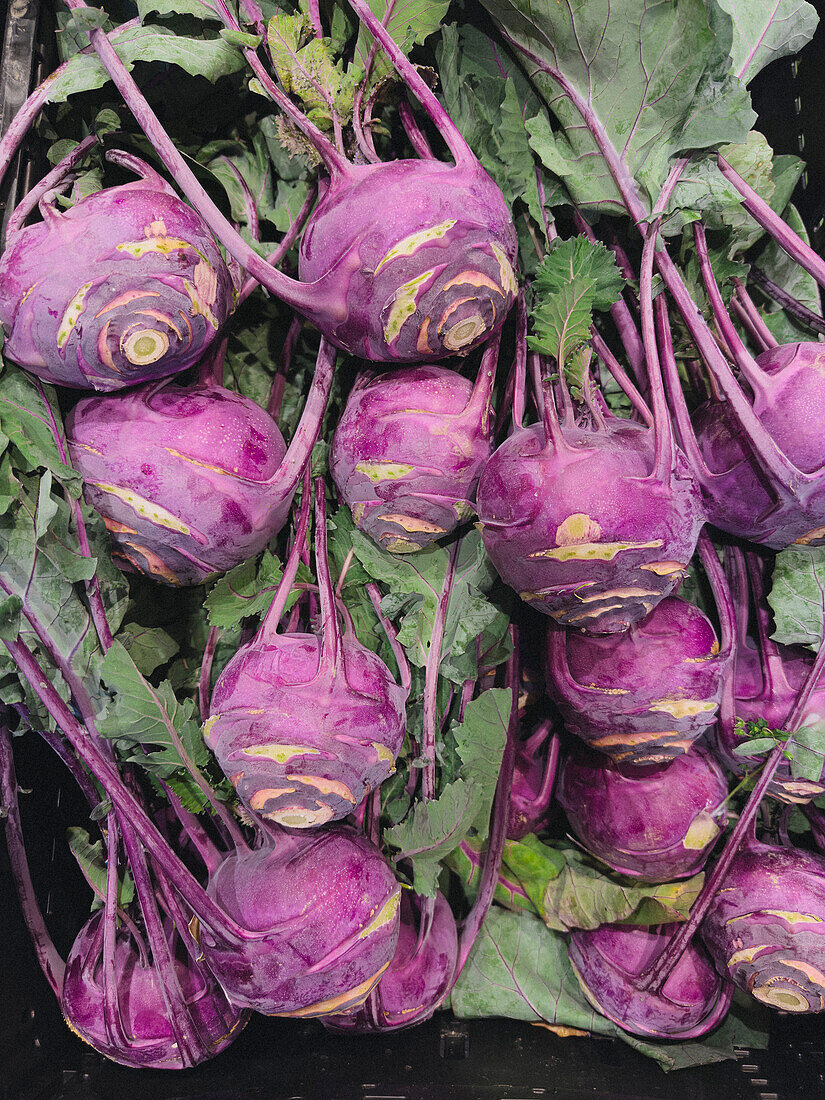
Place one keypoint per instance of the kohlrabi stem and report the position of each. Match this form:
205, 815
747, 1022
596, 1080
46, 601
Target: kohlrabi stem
269, 624
620, 311
655, 976
787, 301
97, 609
774, 676
50, 960
287, 241
498, 821
299, 451
124, 800
772, 223
415, 135
620, 375
362, 136
479, 407
460, 150
177, 1011
331, 655
543, 390
205, 677
306, 297
520, 361
398, 650
332, 157
721, 595
430, 716
28, 114
47, 183
748, 368
111, 1009
209, 853
753, 318
276, 391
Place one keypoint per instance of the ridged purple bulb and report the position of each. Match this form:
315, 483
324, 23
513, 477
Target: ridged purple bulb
425, 253
183, 477
641, 697
755, 696
303, 741
321, 910
654, 823
584, 534
418, 978
407, 454
125, 286
146, 1037
790, 404
607, 962
765, 927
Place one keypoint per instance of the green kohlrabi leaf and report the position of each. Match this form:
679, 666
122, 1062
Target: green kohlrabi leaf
410, 23
211, 58
787, 274
798, 596
142, 717
576, 278
92, 862
649, 72
29, 419
764, 30
434, 829
176, 7
416, 581
149, 647
518, 968
247, 590
569, 890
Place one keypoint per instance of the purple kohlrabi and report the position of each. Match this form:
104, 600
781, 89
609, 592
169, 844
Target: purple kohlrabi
190, 481
576, 523
125, 286
765, 927
321, 909
644, 696
305, 726
408, 450
423, 252
137, 1030
418, 978
608, 960
654, 823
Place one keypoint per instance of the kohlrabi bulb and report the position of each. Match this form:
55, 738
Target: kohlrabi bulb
654, 823
143, 1035
419, 253
765, 927
126, 286
407, 454
321, 909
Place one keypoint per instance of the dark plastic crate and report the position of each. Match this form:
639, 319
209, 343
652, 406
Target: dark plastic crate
273, 1059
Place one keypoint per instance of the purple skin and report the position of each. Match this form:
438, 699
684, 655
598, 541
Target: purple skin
182, 477
607, 962
305, 726
325, 910
407, 454
788, 400
585, 534
534, 776
769, 693
147, 1039
425, 253
656, 823
416, 981
126, 286
191, 481
645, 696
765, 927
